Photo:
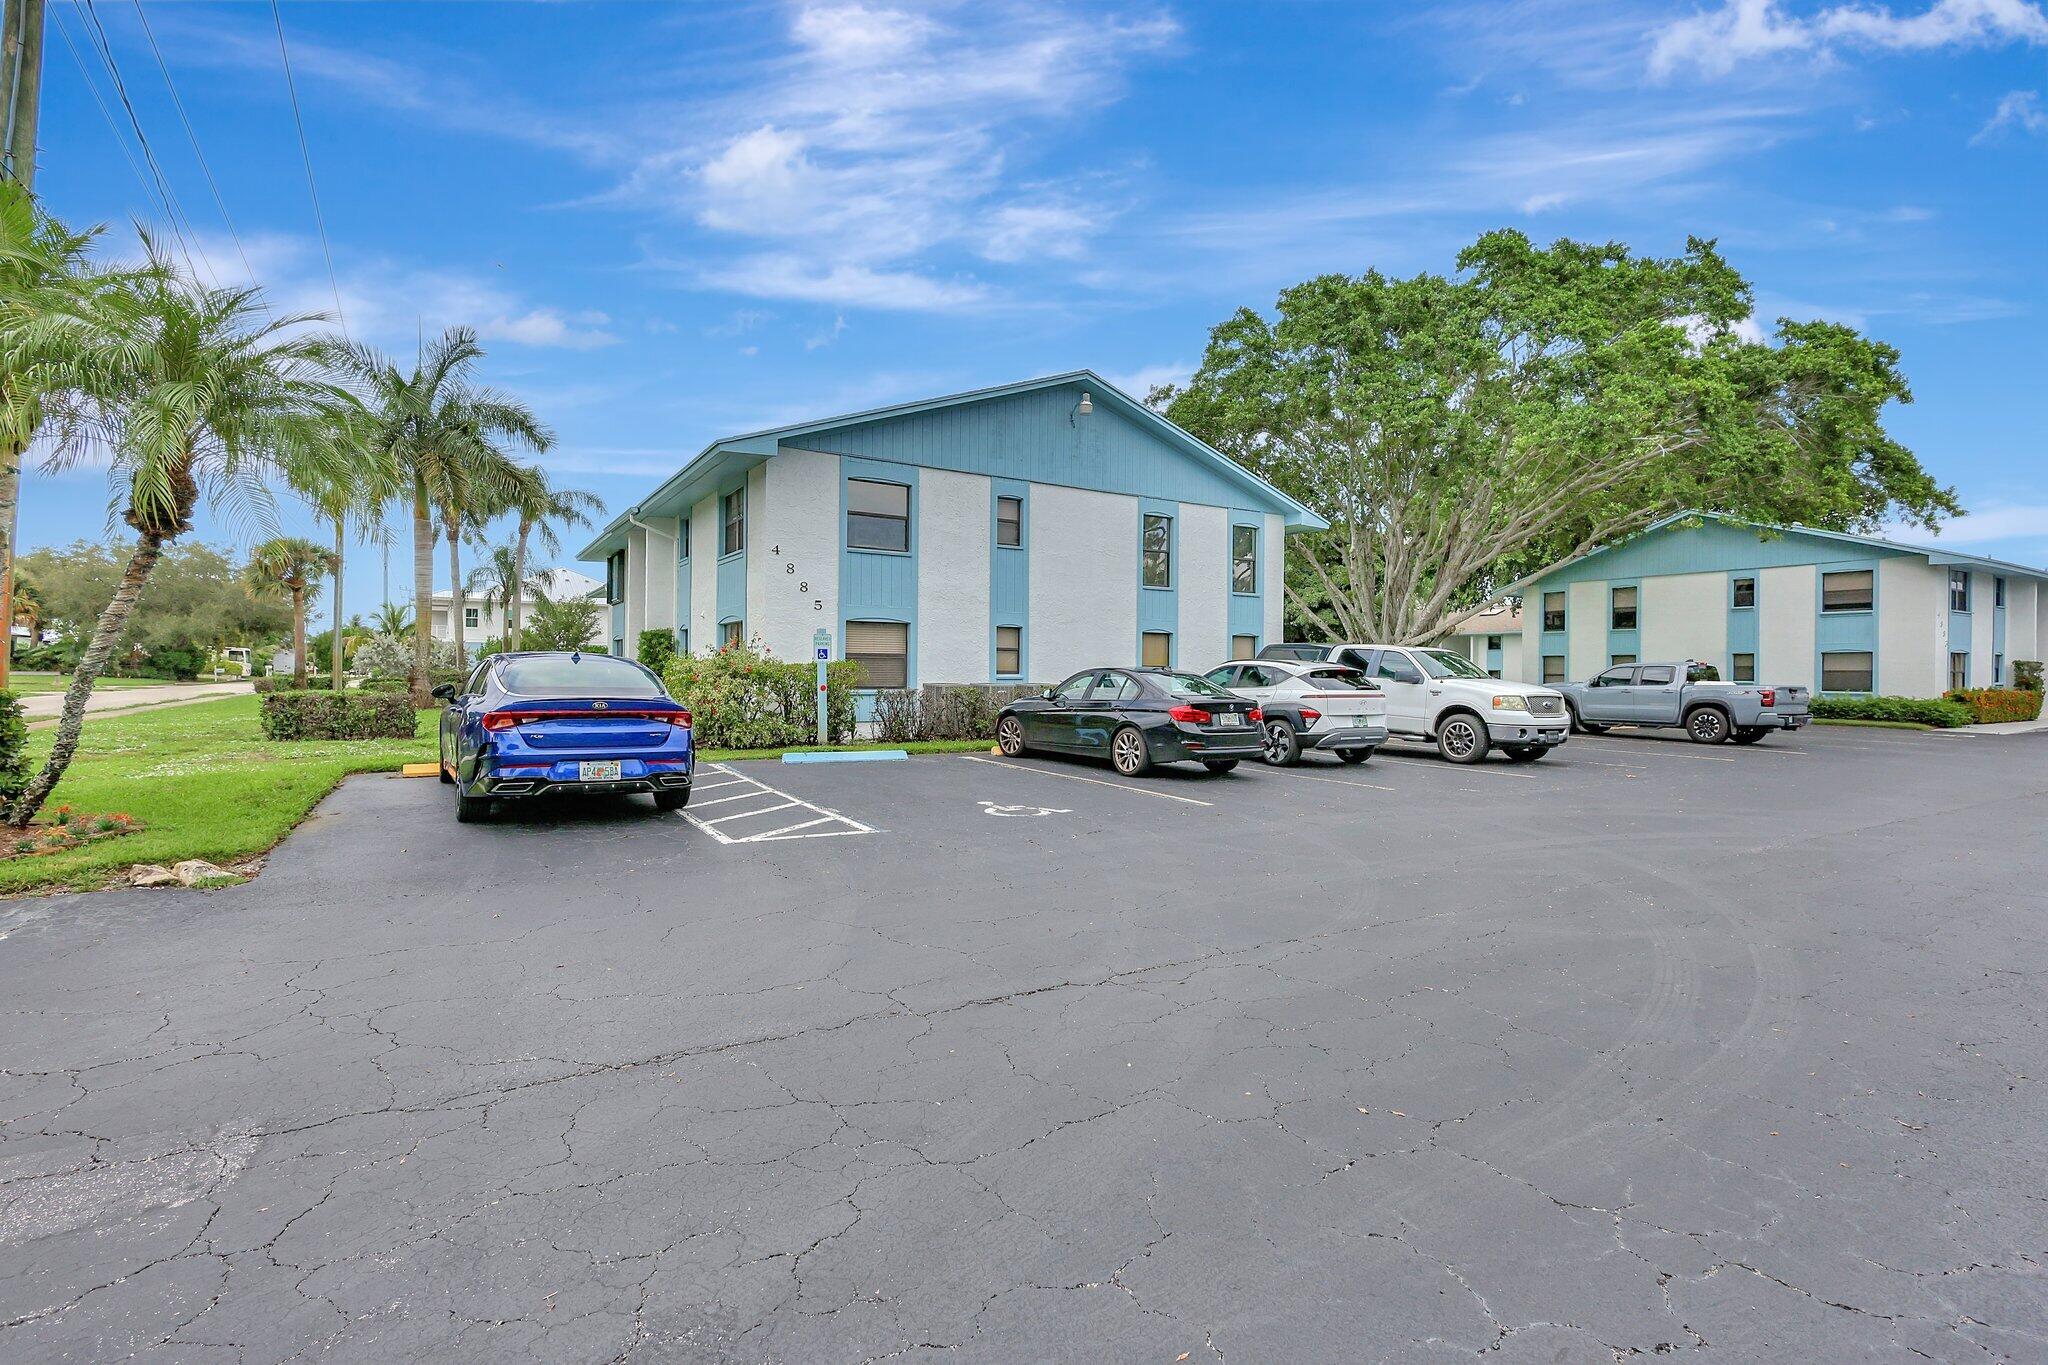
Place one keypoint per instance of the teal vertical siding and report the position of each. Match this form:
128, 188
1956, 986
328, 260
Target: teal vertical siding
1742, 622
1623, 641
616, 636
1009, 575
879, 585
683, 640
1248, 610
1852, 632
1159, 608
1999, 587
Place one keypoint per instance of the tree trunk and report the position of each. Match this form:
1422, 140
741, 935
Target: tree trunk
515, 632
422, 595
10, 500
457, 602
340, 659
112, 621
298, 637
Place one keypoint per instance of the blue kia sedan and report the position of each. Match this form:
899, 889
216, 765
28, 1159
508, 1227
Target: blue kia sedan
537, 724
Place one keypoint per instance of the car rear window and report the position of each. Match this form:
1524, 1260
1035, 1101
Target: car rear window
1339, 677
1188, 685
577, 675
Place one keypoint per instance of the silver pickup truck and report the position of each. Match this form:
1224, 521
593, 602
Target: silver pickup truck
1689, 694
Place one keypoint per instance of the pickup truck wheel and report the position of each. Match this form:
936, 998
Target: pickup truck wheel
1283, 746
1354, 755
1461, 738
1524, 753
1010, 736
1585, 727
1707, 725
1127, 751
1750, 734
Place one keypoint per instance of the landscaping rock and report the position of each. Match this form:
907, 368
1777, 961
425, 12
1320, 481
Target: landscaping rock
195, 870
152, 874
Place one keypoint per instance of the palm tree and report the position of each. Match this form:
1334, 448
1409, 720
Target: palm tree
488, 482
393, 619
188, 387
499, 581
433, 427
43, 267
349, 489
540, 508
289, 567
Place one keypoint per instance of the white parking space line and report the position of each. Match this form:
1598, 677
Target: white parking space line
1338, 781
822, 824
1664, 746
1092, 781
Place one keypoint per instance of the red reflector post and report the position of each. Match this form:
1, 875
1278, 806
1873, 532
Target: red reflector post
1190, 715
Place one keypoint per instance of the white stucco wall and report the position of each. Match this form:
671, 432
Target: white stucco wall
1272, 574
1528, 650
793, 506
2022, 621
1685, 616
1510, 656
636, 588
1585, 625
704, 576
1084, 580
658, 577
1984, 614
1912, 628
1786, 600
1204, 594
953, 530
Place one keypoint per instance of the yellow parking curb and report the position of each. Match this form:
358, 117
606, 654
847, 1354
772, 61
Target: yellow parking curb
419, 770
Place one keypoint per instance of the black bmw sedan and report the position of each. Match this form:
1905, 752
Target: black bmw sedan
1135, 717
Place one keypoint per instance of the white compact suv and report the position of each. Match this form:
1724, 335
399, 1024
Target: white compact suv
1442, 696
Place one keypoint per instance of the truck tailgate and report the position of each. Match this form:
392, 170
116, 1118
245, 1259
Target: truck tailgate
1790, 701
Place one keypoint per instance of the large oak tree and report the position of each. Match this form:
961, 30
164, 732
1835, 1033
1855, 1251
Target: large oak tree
1459, 430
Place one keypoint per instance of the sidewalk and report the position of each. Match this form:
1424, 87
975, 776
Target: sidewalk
2005, 727
42, 709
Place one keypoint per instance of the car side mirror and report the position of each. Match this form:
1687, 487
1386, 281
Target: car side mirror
1048, 695
445, 691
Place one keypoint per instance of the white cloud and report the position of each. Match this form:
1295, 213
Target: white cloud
826, 336
548, 327
2020, 109
1137, 383
1018, 232
2016, 527
1718, 42
791, 275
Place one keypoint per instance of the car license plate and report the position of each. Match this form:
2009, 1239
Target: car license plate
600, 770
1229, 718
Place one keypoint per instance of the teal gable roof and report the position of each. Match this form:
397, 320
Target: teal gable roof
1709, 542
1027, 431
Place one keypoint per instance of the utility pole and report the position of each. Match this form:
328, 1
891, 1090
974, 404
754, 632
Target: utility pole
21, 89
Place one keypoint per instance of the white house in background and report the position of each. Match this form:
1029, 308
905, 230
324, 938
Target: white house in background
1490, 637
1785, 604
483, 622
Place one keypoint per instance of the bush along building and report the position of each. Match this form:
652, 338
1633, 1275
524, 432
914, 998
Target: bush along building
1012, 533
1785, 604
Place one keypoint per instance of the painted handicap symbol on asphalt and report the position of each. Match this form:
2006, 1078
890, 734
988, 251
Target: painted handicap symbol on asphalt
992, 808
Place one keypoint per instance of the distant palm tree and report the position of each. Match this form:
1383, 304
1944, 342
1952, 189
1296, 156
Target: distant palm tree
184, 387
44, 268
487, 483
393, 619
435, 428
498, 580
289, 567
540, 508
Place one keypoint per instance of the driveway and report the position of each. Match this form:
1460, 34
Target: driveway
47, 706
1646, 1048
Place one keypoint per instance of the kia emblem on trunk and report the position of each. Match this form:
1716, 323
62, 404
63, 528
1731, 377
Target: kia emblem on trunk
597, 706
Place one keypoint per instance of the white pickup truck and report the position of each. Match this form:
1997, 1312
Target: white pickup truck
1438, 695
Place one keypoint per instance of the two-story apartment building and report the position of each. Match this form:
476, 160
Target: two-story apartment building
1785, 604
1012, 533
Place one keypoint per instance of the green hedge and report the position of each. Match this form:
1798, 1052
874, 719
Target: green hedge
742, 699
338, 715
657, 648
1935, 711
13, 749
284, 682
944, 710
1995, 705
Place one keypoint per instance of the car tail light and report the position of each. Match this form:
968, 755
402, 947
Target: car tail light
1770, 696
502, 720
680, 719
1310, 716
1190, 715
1255, 715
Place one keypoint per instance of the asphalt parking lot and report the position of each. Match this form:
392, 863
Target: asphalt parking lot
1645, 1048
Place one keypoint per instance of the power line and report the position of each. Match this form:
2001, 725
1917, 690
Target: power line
85, 74
95, 30
193, 136
306, 153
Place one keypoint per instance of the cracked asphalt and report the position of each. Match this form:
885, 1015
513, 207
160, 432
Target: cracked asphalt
1644, 1049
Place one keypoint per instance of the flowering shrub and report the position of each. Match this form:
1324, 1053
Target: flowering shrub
1935, 711
741, 698
387, 656
1991, 705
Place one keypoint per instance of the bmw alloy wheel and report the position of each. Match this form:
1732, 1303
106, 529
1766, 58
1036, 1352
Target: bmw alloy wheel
1010, 736
1127, 751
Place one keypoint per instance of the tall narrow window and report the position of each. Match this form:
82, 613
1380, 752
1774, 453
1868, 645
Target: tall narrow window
1958, 589
683, 536
1244, 646
1847, 672
1553, 668
1958, 671
1998, 670
733, 535
1624, 609
1742, 668
877, 515
1553, 612
1010, 522
1997, 592
882, 649
1244, 559
1849, 590
615, 578
1156, 649
1009, 651
1745, 593
1158, 567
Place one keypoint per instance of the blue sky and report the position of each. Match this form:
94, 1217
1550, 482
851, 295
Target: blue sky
675, 222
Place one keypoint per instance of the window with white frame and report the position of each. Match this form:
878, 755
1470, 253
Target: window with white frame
1958, 589
1156, 649
1553, 611
731, 634
1848, 671
1009, 651
1244, 559
1743, 595
1010, 522
471, 618
1158, 551
1958, 670
1553, 668
1624, 616
882, 649
877, 515
1742, 668
1244, 646
1848, 590
733, 522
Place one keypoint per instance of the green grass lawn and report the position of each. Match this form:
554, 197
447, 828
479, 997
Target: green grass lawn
202, 779
31, 684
